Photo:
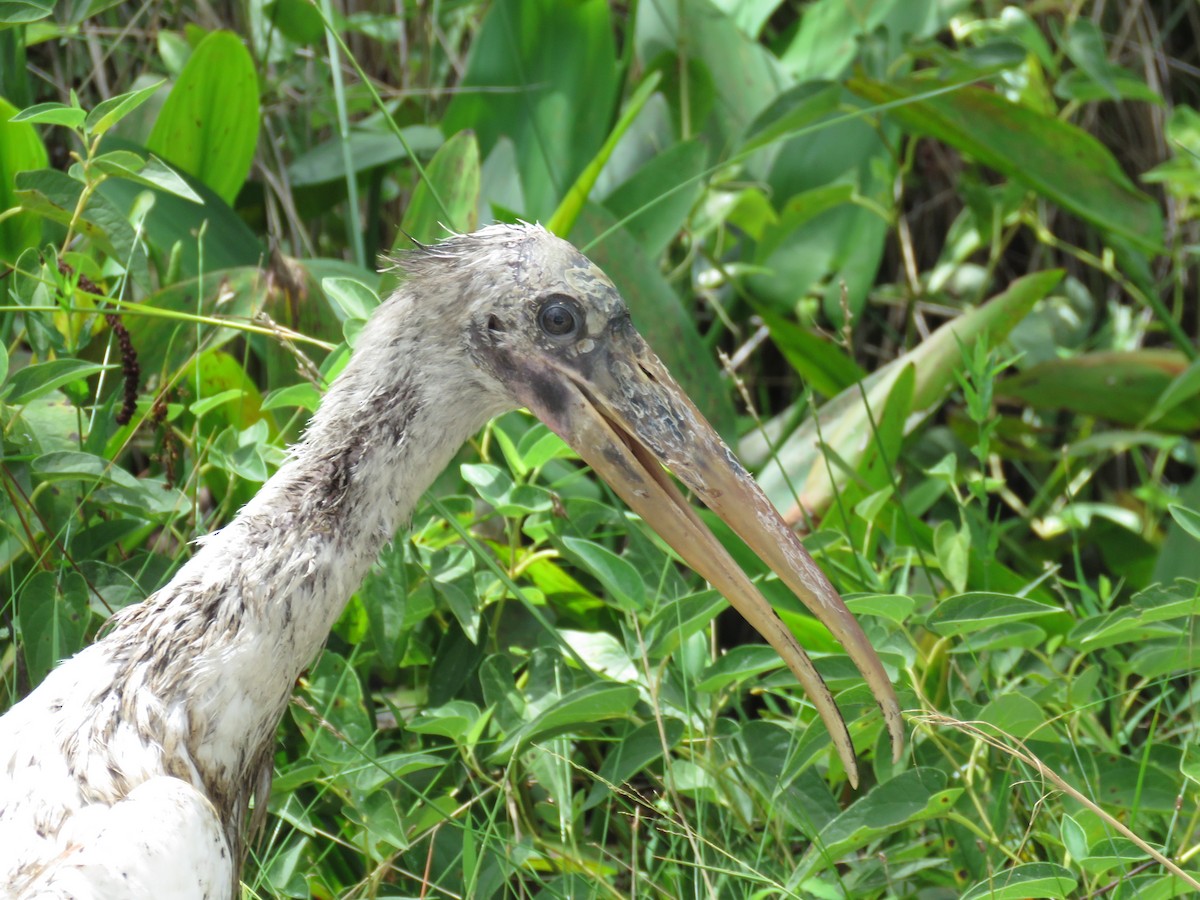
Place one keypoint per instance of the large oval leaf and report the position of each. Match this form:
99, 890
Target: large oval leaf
209, 124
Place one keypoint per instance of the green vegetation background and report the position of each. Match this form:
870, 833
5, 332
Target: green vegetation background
930, 264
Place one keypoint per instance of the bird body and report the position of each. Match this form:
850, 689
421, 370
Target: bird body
133, 765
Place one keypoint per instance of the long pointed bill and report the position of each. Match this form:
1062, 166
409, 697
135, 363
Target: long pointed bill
625, 415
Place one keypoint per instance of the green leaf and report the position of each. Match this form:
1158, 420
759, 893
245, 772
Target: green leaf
630, 755
979, 609
370, 148
152, 173
20, 149
298, 20
51, 114
109, 112
821, 363
452, 720
21, 12
893, 607
1024, 881
351, 297
619, 577
568, 211
52, 612
911, 796
40, 379
1056, 159
654, 203
304, 395
1118, 386
56, 195
791, 111
952, 546
448, 196
1183, 387
1185, 518
1074, 838
579, 711
208, 126
1142, 618
534, 89
738, 664
1013, 716
341, 732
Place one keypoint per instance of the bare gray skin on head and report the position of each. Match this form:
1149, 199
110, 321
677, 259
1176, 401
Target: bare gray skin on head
130, 770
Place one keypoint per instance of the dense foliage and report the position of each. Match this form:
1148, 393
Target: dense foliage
931, 264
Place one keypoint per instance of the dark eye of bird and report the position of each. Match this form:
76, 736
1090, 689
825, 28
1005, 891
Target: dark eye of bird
559, 318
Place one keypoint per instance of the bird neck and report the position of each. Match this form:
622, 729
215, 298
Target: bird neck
246, 615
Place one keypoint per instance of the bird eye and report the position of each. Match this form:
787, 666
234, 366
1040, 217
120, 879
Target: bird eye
558, 317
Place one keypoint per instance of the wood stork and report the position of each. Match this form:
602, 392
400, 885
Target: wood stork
129, 771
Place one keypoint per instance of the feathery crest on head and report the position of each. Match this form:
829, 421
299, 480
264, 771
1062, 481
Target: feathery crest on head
477, 249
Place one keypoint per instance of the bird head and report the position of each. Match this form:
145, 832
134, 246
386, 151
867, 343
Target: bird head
546, 329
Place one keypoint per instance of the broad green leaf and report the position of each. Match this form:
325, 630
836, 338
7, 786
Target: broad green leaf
20, 149
371, 147
790, 111
1060, 161
619, 578
602, 652
579, 711
52, 612
56, 195
1000, 637
1074, 838
20, 12
451, 720
304, 395
1142, 618
1119, 386
827, 368
653, 204
143, 497
675, 622
741, 74
298, 20
1025, 881
1013, 716
109, 112
167, 337
351, 297
534, 89
893, 607
497, 488
197, 237
1187, 519
1112, 852
738, 664
448, 196
952, 546
911, 796
208, 126
978, 609
568, 210
52, 113
151, 173
636, 750
1185, 386
40, 379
